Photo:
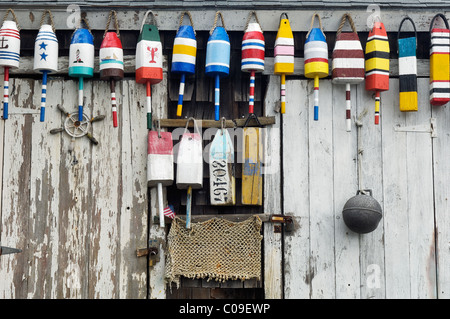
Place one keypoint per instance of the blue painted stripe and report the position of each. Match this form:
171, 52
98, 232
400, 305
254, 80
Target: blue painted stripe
315, 35
46, 39
253, 62
253, 43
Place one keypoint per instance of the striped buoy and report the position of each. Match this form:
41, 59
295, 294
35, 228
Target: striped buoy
348, 62
284, 55
184, 55
217, 59
45, 56
407, 70
9, 53
149, 61
111, 61
252, 58
439, 62
81, 60
377, 64
316, 59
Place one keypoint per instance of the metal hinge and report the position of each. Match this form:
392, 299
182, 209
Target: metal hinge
287, 221
152, 251
424, 128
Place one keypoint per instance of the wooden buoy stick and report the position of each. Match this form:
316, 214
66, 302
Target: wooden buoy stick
5, 92
160, 205
113, 102
80, 99
149, 105
43, 95
348, 108
377, 107
251, 99
188, 207
316, 98
181, 94
217, 98
283, 93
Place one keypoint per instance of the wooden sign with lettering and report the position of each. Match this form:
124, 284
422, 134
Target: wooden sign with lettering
221, 172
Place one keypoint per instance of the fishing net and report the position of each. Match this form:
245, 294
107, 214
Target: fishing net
215, 249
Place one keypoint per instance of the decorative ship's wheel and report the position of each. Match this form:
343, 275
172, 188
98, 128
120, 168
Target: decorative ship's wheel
76, 128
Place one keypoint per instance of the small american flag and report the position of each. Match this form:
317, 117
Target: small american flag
169, 212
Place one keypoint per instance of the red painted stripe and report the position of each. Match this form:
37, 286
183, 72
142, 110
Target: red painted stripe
347, 95
253, 35
348, 114
347, 36
252, 53
346, 54
346, 73
160, 146
440, 30
316, 60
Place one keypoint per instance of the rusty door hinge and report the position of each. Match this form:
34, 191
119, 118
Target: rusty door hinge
153, 251
287, 221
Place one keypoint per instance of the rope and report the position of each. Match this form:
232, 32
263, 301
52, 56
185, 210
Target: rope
358, 123
145, 18
346, 17
215, 21
50, 18
190, 19
444, 19
14, 16
400, 27
312, 23
116, 23
252, 13
195, 125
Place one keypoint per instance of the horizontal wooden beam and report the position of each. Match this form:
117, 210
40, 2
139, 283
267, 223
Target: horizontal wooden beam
217, 124
168, 17
231, 217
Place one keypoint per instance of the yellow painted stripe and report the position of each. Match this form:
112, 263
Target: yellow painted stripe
439, 67
284, 68
252, 184
377, 63
316, 68
284, 30
377, 45
408, 101
184, 49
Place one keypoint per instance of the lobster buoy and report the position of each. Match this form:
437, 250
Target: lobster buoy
439, 62
377, 64
252, 58
149, 61
9, 54
45, 57
407, 70
184, 56
217, 59
348, 62
111, 62
284, 55
81, 61
316, 59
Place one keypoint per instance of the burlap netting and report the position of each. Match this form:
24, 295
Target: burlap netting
215, 249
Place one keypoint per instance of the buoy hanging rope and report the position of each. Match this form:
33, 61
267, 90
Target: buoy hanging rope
216, 17
112, 14
50, 19
346, 17
14, 17
190, 21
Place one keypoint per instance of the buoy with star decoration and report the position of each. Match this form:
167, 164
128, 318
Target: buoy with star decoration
45, 56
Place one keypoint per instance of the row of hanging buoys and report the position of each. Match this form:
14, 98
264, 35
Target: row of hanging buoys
347, 62
284, 56
316, 59
9, 53
407, 70
184, 54
111, 61
439, 61
218, 50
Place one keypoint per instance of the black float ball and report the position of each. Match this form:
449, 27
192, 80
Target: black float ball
362, 213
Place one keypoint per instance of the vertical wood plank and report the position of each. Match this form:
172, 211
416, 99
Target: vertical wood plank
133, 212
321, 220
441, 166
420, 201
296, 199
157, 272
395, 195
43, 236
372, 244
273, 254
74, 205
345, 181
105, 177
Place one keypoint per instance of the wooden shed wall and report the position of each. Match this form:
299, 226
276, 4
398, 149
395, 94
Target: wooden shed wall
80, 224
